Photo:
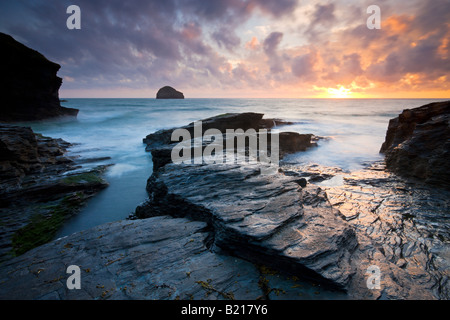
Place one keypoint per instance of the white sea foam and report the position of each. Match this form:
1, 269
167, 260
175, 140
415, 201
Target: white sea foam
119, 169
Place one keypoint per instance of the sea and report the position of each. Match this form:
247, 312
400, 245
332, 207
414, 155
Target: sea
114, 128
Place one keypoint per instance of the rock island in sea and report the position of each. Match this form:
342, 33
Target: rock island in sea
168, 92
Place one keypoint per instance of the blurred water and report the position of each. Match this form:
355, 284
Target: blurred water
115, 128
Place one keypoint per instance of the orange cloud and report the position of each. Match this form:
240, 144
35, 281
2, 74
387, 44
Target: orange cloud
253, 44
398, 23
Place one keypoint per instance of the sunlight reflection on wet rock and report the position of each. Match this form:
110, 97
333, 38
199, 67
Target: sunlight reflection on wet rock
407, 221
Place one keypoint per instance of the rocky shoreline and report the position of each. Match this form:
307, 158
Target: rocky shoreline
225, 231
417, 144
41, 187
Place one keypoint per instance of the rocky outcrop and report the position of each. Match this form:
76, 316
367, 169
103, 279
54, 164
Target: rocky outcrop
159, 258
40, 188
262, 218
274, 221
277, 220
418, 144
270, 123
29, 84
22, 153
221, 122
161, 145
225, 231
169, 93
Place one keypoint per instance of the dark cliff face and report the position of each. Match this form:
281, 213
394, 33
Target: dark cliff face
169, 93
29, 84
417, 144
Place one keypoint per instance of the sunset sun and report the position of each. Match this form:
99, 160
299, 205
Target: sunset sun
339, 93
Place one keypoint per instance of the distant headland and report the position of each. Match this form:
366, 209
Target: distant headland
29, 84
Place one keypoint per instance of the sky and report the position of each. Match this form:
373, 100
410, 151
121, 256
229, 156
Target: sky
240, 48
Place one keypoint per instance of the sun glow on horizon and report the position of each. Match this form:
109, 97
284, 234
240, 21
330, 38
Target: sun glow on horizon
340, 93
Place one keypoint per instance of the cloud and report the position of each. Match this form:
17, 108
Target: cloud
276, 8
226, 39
253, 44
270, 46
148, 42
321, 20
303, 66
324, 14
214, 44
272, 42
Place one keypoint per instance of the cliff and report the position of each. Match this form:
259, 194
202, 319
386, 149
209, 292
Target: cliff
29, 84
417, 144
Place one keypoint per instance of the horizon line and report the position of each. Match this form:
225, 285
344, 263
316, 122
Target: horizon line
256, 98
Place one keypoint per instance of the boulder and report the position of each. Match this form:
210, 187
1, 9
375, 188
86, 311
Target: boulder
29, 84
169, 93
417, 144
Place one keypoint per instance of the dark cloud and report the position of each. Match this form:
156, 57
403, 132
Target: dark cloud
187, 43
270, 46
226, 39
271, 43
433, 16
321, 19
388, 70
139, 41
303, 66
324, 14
348, 68
276, 8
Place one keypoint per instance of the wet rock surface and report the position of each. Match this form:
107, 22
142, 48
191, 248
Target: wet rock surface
247, 125
244, 121
160, 258
408, 222
273, 221
417, 144
226, 231
288, 223
24, 153
41, 187
261, 218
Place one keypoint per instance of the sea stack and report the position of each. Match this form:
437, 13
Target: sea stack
169, 93
29, 84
